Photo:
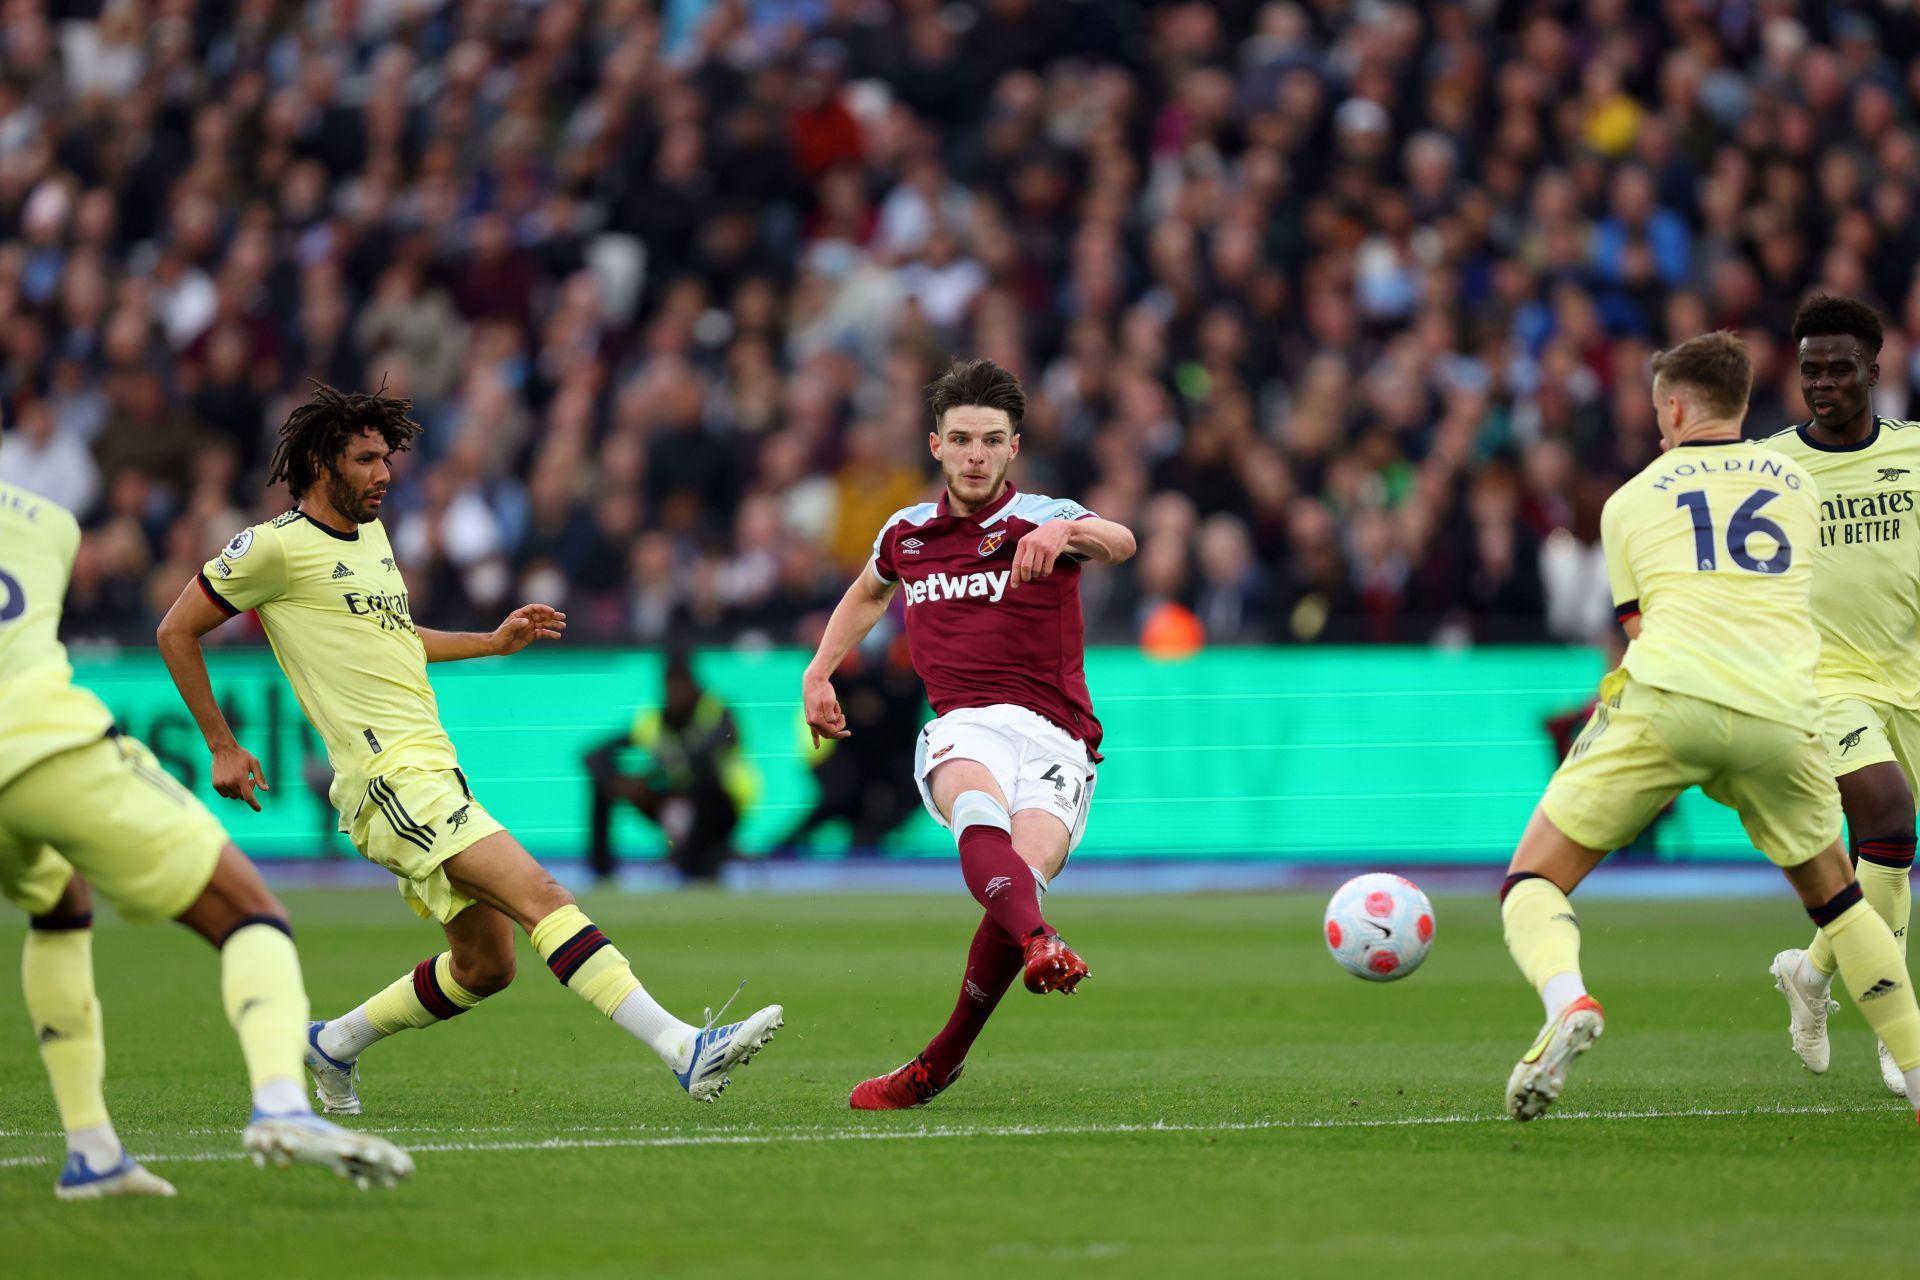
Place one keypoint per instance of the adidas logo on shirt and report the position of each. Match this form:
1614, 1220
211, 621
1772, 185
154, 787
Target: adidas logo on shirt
341, 571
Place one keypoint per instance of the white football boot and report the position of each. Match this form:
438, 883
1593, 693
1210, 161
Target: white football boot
1896, 1079
1807, 1011
718, 1050
304, 1138
332, 1078
78, 1181
1539, 1077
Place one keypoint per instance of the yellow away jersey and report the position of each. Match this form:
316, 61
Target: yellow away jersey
1866, 567
42, 712
1713, 546
335, 610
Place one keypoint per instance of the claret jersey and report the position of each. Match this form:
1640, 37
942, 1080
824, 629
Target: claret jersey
978, 638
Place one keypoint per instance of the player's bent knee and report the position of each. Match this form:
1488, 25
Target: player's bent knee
487, 976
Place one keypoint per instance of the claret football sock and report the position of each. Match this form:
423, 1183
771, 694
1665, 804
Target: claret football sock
1543, 936
993, 961
266, 1002
593, 968
426, 994
1875, 973
997, 876
56, 973
1886, 863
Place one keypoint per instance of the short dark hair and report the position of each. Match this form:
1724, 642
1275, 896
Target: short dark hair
1824, 315
977, 382
318, 430
1716, 365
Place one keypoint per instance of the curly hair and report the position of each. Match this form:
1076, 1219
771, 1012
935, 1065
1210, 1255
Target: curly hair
315, 433
1824, 315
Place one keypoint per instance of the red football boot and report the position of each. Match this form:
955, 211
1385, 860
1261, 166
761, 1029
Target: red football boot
1052, 966
901, 1088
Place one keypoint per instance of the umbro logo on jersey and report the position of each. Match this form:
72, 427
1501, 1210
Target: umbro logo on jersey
956, 586
1884, 987
1889, 474
1852, 740
912, 546
341, 571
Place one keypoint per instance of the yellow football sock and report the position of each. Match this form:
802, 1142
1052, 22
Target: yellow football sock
426, 995
266, 999
582, 958
1542, 934
1873, 969
1887, 890
56, 972
593, 968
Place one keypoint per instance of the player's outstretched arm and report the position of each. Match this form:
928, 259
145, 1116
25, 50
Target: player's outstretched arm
863, 605
523, 626
1107, 541
236, 771
1089, 538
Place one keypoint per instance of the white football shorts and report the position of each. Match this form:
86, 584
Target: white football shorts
1038, 764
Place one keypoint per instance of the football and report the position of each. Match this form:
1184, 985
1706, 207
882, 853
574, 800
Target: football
1379, 926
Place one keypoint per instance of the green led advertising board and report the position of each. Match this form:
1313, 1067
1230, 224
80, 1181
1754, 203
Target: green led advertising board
1356, 754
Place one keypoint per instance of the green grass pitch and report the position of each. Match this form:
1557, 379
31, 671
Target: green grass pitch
1220, 1100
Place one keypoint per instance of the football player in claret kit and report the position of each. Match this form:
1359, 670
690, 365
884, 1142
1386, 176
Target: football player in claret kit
1708, 555
991, 578
1866, 606
334, 606
82, 802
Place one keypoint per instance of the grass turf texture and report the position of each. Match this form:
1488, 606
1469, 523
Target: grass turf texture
1298, 1086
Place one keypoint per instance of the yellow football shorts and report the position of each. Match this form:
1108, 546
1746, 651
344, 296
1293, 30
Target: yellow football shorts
1860, 732
410, 821
109, 811
1644, 746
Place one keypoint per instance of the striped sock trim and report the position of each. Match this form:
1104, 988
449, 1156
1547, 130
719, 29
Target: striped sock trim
272, 922
1507, 886
61, 924
576, 951
432, 996
1895, 852
1839, 905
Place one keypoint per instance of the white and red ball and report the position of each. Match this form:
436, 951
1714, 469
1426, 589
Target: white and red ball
1379, 926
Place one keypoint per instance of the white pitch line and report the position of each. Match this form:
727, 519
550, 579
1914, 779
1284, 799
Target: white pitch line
817, 1134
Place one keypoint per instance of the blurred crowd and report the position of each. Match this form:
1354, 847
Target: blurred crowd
1344, 306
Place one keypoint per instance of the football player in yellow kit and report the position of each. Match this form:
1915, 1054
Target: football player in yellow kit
331, 598
1866, 606
1707, 554
81, 802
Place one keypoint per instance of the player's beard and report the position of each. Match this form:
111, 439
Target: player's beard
349, 501
985, 493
